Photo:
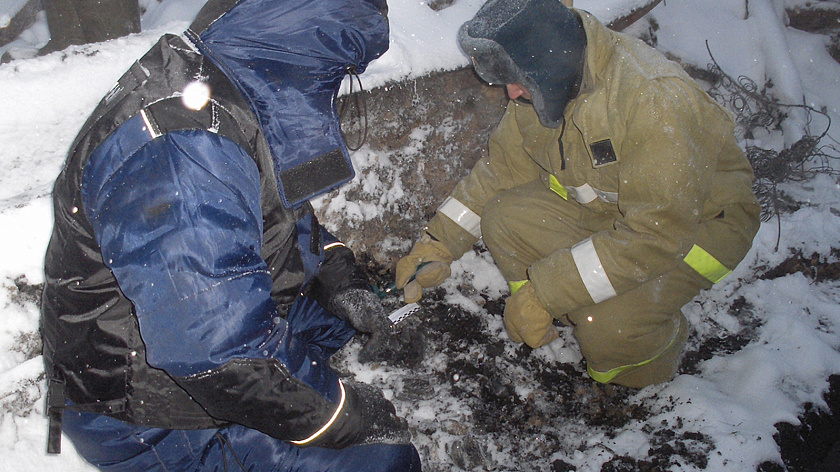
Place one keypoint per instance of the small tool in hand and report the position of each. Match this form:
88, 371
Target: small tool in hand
405, 311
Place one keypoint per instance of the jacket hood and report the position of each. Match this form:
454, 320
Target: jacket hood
288, 58
538, 43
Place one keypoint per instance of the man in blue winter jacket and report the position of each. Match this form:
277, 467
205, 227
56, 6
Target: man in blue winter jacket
192, 299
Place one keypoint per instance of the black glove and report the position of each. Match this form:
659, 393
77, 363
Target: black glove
366, 418
380, 423
363, 309
405, 347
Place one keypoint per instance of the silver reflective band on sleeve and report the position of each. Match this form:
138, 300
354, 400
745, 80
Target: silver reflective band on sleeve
329, 423
583, 194
592, 272
463, 216
335, 244
153, 132
587, 194
609, 197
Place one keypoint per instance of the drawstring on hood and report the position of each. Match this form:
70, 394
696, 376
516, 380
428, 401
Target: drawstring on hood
360, 102
540, 44
288, 58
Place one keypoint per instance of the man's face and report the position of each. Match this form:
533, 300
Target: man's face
515, 91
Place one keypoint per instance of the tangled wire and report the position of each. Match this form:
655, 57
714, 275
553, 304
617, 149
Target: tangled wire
754, 109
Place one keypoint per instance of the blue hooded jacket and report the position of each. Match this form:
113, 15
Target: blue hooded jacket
177, 225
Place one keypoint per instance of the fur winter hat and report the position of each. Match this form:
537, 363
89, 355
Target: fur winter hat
537, 43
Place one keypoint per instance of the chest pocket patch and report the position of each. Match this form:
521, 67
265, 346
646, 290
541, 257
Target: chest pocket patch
603, 153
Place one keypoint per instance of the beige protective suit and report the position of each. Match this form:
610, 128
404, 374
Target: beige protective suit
619, 217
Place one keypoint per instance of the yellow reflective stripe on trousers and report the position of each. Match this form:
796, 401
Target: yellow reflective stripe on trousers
706, 264
516, 285
557, 187
606, 377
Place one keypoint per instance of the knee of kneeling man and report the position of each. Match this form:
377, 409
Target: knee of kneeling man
501, 215
493, 222
635, 361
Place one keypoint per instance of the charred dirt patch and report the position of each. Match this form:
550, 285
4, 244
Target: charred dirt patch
667, 445
516, 398
481, 372
519, 405
815, 266
814, 445
726, 344
22, 292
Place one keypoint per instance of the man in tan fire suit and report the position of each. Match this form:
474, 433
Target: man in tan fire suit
614, 190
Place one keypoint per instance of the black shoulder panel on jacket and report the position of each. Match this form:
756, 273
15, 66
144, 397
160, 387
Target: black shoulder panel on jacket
209, 13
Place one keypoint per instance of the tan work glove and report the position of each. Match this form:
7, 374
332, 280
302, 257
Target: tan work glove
526, 320
436, 257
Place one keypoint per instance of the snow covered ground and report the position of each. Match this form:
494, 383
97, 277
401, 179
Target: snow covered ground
788, 325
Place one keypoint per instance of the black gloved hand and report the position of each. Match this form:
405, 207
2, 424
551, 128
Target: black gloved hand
366, 418
380, 423
363, 309
405, 347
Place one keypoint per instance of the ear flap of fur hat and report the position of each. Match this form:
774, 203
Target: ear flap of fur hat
540, 44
